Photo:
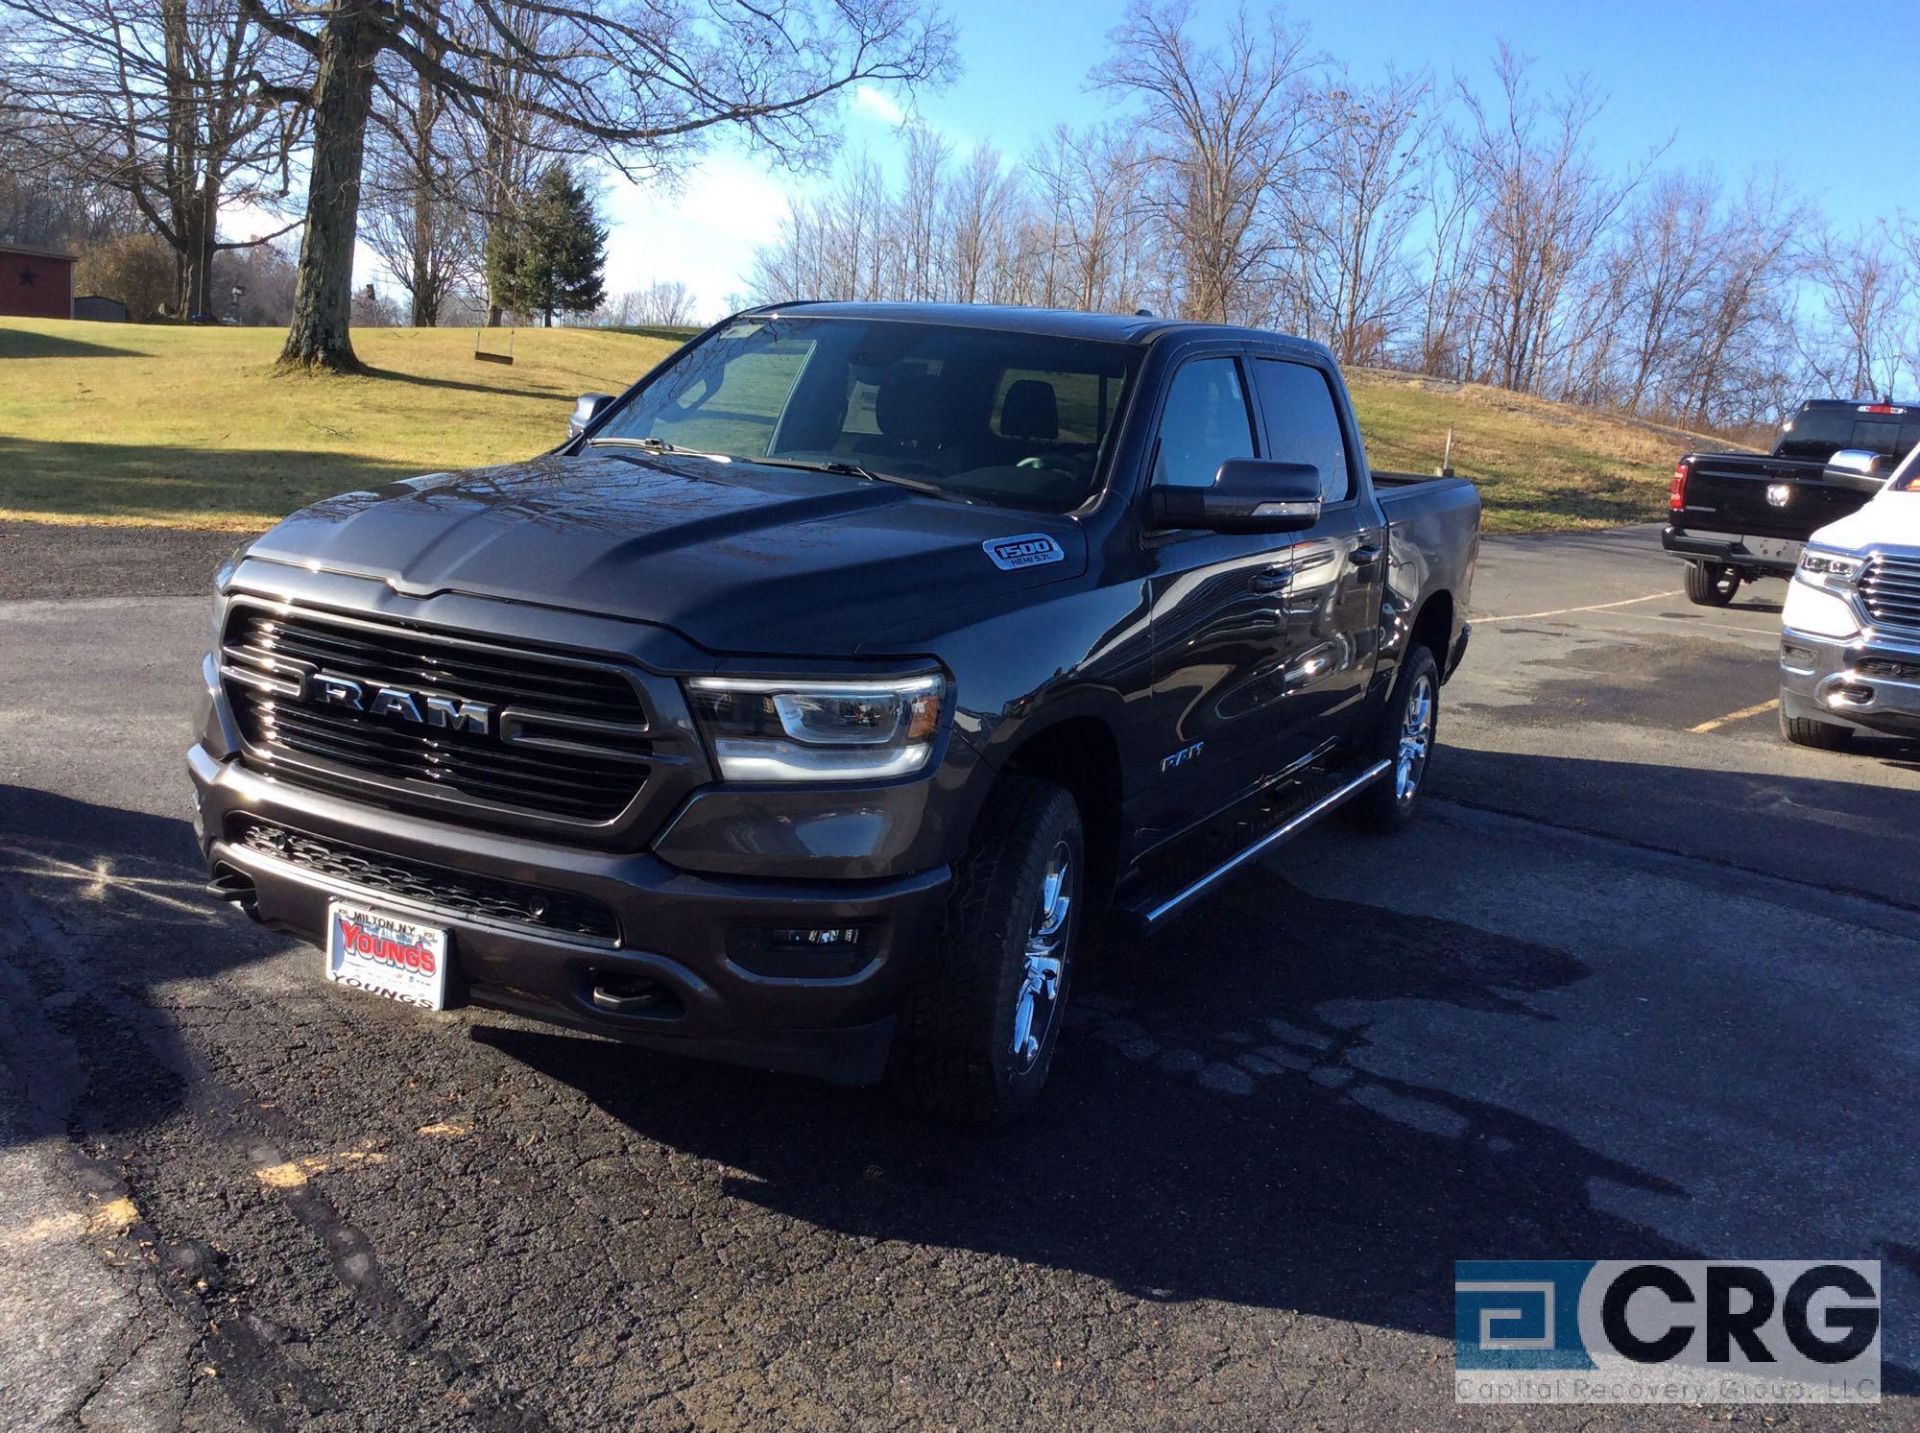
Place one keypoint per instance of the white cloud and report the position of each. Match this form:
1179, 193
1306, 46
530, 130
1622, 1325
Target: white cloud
877, 103
704, 234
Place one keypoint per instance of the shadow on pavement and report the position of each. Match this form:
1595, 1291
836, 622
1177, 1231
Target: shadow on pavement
1842, 835
79, 876
1207, 1134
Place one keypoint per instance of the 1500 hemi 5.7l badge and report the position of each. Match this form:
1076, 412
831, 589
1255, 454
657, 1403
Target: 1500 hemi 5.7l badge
1029, 549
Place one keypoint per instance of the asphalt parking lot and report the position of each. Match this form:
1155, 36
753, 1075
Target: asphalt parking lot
1644, 982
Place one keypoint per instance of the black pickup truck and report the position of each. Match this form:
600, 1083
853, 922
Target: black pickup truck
1738, 516
808, 706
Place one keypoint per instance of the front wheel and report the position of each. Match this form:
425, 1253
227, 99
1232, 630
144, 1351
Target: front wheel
1710, 584
976, 1036
1809, 731
1404, 740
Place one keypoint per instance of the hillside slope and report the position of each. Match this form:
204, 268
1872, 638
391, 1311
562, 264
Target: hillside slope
190, 426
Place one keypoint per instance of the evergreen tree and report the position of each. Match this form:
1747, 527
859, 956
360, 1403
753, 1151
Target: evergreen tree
551, 255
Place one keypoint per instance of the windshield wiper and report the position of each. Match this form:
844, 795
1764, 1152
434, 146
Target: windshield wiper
854, 470
657, 445
652, 445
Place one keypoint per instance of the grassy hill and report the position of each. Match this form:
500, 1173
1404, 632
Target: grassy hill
191, 427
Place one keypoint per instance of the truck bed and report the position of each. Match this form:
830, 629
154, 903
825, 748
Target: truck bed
1433, 536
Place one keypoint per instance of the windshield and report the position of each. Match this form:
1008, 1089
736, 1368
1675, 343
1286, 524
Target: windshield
1018, 419
1816, 434
1906, 477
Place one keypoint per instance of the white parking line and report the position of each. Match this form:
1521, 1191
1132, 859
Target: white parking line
1569, 611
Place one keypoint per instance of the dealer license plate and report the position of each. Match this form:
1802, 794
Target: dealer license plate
387, 955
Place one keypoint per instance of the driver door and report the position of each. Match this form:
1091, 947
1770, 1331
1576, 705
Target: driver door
1220, 630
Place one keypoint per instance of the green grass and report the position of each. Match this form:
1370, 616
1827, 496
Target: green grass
1540, 466
191, 427
177, 426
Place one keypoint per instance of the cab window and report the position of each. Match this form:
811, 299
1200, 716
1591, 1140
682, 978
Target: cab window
1303, 426
1204, 423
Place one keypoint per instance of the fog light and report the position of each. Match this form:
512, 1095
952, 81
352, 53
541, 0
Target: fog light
802, 953
840, 935
1796, 657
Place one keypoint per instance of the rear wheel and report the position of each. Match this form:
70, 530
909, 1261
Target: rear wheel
1808, 731
1711, 584
976, 1037
1404, 739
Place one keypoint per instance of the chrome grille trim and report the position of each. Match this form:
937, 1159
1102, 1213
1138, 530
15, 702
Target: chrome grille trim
1890, 590
572, 744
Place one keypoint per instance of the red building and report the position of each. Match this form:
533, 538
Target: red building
35, 283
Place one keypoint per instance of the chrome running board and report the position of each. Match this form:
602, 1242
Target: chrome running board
1146, 919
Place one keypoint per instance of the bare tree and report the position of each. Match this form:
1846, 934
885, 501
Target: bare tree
1229, 130
1745, 363
1864, 286
154, 98
918, 230
1545, 204
420, 218
1089, 182
1352, 219
1452, 183
977, 205
642, 82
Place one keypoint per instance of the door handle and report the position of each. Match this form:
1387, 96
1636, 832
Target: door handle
1366, 556
1273, 579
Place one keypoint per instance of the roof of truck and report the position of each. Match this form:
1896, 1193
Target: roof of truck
1008, 318
1860, 405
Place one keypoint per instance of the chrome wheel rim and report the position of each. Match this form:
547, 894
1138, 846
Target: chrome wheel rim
1416, 740
1036, 1001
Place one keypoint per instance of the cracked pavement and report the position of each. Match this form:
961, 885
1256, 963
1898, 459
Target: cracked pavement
1629, 990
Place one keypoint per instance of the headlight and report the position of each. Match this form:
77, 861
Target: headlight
1823, 567
806, 730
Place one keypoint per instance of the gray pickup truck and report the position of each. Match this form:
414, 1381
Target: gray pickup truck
811, 702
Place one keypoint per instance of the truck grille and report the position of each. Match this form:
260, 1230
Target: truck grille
560, 738
420, 883
1890, 587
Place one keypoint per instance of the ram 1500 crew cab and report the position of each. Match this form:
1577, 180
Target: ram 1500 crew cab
806, 706
1850, 639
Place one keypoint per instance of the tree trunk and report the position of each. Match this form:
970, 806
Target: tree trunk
323, 285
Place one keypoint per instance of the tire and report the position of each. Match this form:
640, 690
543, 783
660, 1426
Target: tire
976, 1036
1709, 584
1807, 731
1404, 738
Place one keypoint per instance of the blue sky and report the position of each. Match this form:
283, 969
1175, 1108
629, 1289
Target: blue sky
1802, 87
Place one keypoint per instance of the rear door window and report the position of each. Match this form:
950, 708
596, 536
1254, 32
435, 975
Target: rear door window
1303, 426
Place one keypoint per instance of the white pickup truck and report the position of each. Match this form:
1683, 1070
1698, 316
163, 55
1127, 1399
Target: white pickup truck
1850, 644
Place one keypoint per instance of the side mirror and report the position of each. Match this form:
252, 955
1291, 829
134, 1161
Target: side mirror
1247, 495
1862, 462
588, 407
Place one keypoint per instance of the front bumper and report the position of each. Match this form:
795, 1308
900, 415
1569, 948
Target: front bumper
678, 934
1776, 557
1869, 681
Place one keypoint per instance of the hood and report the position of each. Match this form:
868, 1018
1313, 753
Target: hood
1891, 520
736, 557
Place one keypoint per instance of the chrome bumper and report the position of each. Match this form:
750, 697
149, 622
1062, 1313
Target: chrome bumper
1870, 680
